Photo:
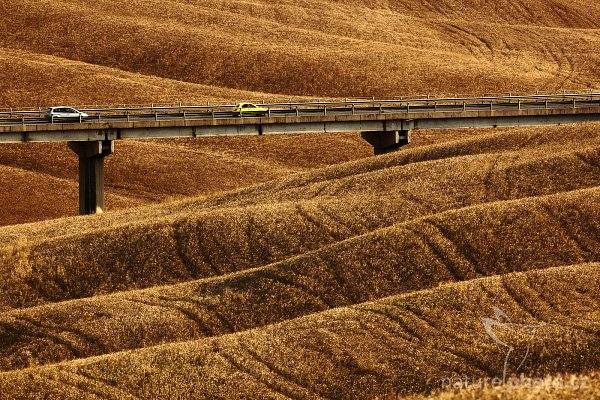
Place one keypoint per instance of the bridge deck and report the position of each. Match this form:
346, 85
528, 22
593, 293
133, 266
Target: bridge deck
363, 116
385, 124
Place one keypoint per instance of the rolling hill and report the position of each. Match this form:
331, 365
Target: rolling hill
319, 47
397, 345
301, 266
43, 176
253, 271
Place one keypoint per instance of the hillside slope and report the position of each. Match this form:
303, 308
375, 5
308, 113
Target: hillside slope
192, 239
246, 292
320, 47
395, 346
404, 257
32, 79
300, 266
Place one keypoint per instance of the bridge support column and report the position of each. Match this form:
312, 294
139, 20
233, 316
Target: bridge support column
386, 142
91, 174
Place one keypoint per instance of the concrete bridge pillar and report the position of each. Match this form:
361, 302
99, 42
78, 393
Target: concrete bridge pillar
388, 141
91, 173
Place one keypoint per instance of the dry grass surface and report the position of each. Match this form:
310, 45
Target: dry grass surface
404, 257
301, 267
361, 280
38, 80
401, 344
316, 47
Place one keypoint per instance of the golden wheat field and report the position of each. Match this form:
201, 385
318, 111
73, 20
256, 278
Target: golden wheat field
464, 266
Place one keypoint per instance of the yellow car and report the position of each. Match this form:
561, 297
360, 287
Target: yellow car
250, 109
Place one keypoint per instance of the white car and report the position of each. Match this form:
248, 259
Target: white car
62, 112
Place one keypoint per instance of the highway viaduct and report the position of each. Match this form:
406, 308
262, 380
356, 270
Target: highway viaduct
385, 124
